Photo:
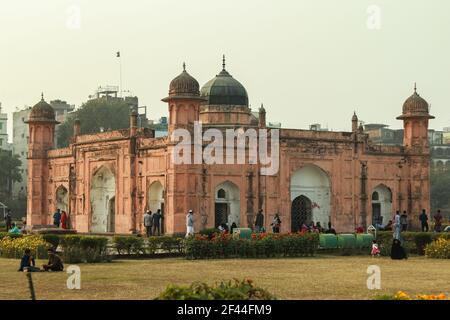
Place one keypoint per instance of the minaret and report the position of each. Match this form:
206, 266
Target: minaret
354, 122
41, 124
415, 118
184, 101
262, 116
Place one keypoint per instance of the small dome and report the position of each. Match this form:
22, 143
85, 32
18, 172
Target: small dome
42, 111
184, 85
415, 104
224, 90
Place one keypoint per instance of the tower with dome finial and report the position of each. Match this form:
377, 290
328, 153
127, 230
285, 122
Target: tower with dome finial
41, 126
415, 116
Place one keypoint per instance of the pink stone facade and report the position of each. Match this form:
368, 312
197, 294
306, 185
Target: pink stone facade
106, 181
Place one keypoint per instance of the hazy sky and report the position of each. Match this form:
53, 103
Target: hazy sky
308, 61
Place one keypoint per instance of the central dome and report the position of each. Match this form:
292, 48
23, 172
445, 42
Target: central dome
224, 90
42, 111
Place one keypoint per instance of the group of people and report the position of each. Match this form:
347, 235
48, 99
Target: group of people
61, 219
400, 222
27, 262
12, 227
438, 219
152, 223
398, 252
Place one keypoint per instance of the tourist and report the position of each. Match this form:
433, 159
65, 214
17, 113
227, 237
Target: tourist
27, 262
397, 251
404, 221
148, 223
190, 224
57, 218
359, 229
319, 227
8, 220
156, 220
424, 221
304, 228
397, 226
438, 221
14, 229
54, 262
259, 222
276, 224
375, 250
330, 229
64, 220
233, 226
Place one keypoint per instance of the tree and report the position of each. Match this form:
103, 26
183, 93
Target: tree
93, 115
440, 189
9, 171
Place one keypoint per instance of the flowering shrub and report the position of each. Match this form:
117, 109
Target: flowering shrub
261, 245
231, 290
439, 249
14, 247
404, 296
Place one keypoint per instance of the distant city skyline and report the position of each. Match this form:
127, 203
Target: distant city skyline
307, 61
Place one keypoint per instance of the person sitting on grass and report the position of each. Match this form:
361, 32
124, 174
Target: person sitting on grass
27, 262
397, 251
54, 262
14, 229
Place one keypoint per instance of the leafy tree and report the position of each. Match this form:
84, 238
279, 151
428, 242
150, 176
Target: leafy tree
9, 171
440, 189
94, 114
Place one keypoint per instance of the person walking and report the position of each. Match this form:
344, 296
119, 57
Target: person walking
148, 223
276, 224
397, 226
156, 219
8, 220
438, 221
190, 224
259, 222
64, 220
404, 221
424, 221
57, 218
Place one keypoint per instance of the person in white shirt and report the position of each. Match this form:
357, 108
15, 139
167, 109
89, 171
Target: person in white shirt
190, 224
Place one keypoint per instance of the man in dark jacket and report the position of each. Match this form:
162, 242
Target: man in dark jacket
259, 222
157, 222
424, 221
57, 218
54, 262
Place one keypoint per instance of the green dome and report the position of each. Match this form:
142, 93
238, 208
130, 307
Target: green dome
224, 90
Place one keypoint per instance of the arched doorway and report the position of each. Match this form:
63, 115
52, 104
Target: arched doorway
381, 205
227, 207
301, 212
314, 185
62, 199
103, 204
155, 197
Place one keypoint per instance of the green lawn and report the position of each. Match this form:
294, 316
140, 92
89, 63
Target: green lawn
321, 277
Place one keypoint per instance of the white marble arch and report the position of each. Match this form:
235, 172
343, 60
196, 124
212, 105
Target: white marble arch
313, 182
155, 196
228, 193
382, 196
62, 199
102, 197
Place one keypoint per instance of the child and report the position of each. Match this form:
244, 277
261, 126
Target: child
375, 250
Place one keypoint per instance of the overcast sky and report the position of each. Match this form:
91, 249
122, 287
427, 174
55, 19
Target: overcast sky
308, 61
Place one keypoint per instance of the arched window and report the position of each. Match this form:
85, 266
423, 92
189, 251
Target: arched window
221, 194
375, 196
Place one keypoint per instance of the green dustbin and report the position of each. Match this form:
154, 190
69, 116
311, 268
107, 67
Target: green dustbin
328, 241
346, 240
242, 233
364, 240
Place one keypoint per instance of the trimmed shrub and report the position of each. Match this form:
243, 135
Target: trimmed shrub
414, 242
261, 245
78, 249
230, 290
53, 239
129, 245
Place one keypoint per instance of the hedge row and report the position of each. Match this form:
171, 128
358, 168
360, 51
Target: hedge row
224, 246
129, 245
414, 242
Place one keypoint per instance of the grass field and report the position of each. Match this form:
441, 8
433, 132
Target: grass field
321, 277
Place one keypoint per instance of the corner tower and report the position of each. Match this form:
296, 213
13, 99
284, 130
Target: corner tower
41, 126
415, 118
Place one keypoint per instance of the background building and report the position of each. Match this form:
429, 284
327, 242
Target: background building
4, 144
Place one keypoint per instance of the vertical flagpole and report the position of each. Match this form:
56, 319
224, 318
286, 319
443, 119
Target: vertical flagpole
120, 66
